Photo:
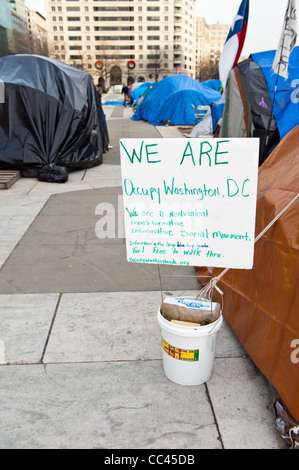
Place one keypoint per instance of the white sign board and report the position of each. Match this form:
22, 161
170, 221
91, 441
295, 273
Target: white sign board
190, 201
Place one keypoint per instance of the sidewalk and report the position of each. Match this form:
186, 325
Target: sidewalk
82, 363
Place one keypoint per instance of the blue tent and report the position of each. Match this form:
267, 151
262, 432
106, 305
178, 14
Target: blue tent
214, 84
286, 104
171, 99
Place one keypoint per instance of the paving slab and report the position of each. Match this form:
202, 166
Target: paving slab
111, 405
25, 323
106, 326
81, 268
241, 401
15, 206
5, 252
13, 228
76, 244
116, 326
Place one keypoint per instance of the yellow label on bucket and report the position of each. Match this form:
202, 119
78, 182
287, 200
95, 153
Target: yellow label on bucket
190, 355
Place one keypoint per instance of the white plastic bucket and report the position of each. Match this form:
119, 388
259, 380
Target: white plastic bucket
188, 352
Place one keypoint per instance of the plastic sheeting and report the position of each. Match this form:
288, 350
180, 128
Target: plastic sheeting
171, 98
51, 116
286, 101
204, 127
248, 108
261, 305
217, 109
137, 92
214, 84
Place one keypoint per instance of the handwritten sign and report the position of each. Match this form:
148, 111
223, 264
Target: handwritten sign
190, 201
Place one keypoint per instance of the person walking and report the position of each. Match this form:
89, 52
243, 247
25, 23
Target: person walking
125, 91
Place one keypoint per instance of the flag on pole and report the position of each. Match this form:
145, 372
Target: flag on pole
287, 41
234, 43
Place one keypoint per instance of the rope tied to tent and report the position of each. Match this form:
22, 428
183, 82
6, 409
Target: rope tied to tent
206, 292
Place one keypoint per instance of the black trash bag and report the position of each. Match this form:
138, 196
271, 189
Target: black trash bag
53, 174
29, 173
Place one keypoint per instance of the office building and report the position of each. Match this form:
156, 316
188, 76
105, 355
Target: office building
37, 31
13, 29
210, 39
117, 40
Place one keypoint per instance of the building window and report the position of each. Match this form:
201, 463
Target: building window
113, 18
109, 47
113, 8
153, 66
114, 38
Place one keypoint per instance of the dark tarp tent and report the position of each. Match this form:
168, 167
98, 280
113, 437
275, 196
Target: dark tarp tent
262, 304
249, 99
170, 100
51, 116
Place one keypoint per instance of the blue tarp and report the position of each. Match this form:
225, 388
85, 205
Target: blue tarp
115, 103
286, 105
135, 94
217, 109
171, 99
214, 84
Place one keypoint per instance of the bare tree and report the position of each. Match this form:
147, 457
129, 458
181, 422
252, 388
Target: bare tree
155, 61
207, 70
